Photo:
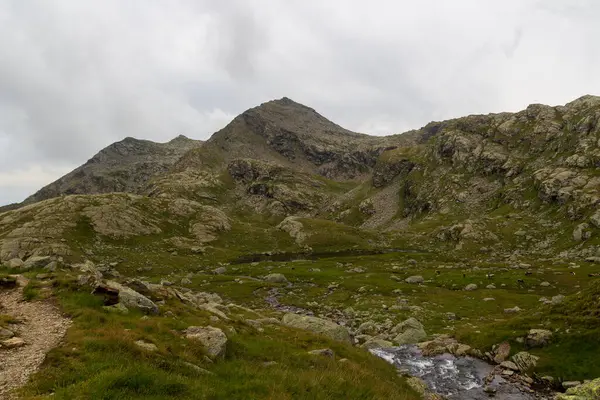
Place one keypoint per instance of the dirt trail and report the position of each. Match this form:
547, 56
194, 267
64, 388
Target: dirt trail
42, 328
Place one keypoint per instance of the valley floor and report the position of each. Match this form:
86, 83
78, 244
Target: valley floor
481, 305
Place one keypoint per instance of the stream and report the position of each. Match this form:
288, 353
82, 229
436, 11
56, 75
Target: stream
456, 378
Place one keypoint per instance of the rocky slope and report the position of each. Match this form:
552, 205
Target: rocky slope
454, 183
124, 166
474, 233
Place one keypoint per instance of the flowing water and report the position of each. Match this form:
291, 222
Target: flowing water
455, 377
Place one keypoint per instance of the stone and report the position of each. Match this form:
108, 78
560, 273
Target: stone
219, 271
318, 325
595, 219
502, 352
557, 299
15, 263
514, 310
509, 365
36, 262
6, 333
409, 331
470, 287
213, 339
13, 342
368, 328
570, 384
146, 346
538, 338
545, 284
451, 316
414, 279
491, 286
462, 350
276, 278
128, 297
322, 352
186, 281
581, 232
165, 282
377, 344
588, 390
525, 361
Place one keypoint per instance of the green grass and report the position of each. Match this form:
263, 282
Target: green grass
100, 360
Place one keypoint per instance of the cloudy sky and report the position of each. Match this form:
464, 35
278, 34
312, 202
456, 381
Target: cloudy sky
77, 75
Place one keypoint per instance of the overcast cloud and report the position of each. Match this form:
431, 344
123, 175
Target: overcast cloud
77, 75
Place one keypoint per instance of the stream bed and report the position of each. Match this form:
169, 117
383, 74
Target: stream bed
457, 378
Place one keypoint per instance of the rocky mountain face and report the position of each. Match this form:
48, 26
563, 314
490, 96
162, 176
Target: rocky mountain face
124, 166
458, 182
476, 232
295, 136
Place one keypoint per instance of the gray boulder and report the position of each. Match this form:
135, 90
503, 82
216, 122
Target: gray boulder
525, 361
276, 278
132, 299
322, 352
538, 338
219, 271
14, 263
470, 287
377, 344
414, 279
36, 262
317, 325
212, 339
409, 332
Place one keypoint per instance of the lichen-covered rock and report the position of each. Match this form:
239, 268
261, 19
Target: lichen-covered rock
209, 222
525, 361
415, 279
14, 263
409, 331
294, 228
36, 262
276, 278
538, 338
585, 391
130, 298
317, 325
213, 339
377, 344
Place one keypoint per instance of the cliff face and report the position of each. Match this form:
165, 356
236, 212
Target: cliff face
124, 166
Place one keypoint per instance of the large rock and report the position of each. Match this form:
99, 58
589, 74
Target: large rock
276, 278
502, 352
15, 263
538, 338
581, 232
525, 361
318, 325
129, 297
13, 342
36, 262
6, 333
414, 279
213, 339
586, 391
470, 287
377, 344
409, 332
368, 328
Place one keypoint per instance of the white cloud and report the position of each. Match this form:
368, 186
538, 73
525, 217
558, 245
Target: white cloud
78, 75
